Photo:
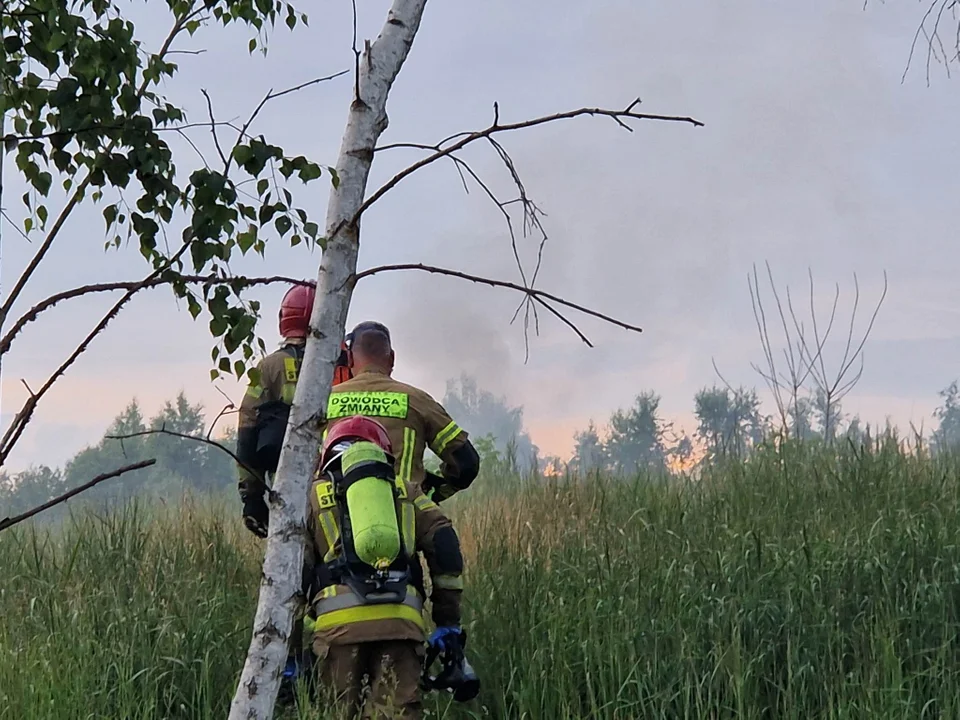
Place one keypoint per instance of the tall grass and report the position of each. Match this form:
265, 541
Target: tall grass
801, 584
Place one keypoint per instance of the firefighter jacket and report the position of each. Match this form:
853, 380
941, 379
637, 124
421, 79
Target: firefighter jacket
414, 421
263, 414
341, 616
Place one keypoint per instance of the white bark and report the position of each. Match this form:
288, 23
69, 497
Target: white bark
280, 586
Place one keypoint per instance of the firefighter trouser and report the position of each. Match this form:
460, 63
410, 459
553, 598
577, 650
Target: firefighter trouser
382, 676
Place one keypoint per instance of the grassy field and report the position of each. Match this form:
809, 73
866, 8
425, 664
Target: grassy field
799, 585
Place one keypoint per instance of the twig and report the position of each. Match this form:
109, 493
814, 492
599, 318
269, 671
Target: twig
271, 95
539, 295
468, 138
213, 126
185, 436
11, 521
227, 409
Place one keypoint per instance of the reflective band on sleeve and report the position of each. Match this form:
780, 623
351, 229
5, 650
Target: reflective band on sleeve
444, 437
367, 403
424, 503
406, 458
290, 369
286, 394
448, 582
254, 391
409, 519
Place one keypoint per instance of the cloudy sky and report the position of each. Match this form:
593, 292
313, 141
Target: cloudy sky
814, 155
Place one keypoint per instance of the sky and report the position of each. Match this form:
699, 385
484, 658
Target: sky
816, 155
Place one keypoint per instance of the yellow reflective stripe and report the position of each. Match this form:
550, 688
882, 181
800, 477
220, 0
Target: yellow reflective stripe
254, 391
290, 369
408, 520
424, 503
366, 613
444, 437
331, 532
406, 458
368, 403
448, 582
286, 394
309, 624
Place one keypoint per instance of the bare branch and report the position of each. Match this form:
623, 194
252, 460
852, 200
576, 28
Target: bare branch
136, 286
468, 138
538, 295
184, 436
227, 409
271, 95
213, 126
11, 521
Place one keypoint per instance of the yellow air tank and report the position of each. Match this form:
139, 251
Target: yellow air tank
372, 508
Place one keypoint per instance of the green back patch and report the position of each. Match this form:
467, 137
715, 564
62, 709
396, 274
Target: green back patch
369, 404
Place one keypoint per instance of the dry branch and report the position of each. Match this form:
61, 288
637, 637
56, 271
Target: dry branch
185, 436
538, 295
467, 138
11, 521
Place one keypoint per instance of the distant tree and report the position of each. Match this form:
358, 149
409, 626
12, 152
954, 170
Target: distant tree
24, 490
681, 452
828, 414
800, 417
947, 434
729, 422
589, 453
856, 433
636, 436
480, 412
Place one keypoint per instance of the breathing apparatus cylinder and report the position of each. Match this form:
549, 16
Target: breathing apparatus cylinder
371, 504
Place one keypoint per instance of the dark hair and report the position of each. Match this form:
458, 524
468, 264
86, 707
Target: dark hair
371, 343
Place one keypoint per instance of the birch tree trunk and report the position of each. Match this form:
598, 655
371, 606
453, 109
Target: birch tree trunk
280, 585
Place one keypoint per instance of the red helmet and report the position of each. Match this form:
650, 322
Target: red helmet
295, 309
356, 427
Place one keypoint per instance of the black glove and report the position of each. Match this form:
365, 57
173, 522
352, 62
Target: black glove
256, 515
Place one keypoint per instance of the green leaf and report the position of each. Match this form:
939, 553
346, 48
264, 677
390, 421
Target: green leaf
110, 215
224, 364
311, 229
42, 182
42, 214
28, 224
262, 186
242, 154
282, 224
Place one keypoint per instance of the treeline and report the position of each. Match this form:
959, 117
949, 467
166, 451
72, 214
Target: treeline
730, 423
181, 464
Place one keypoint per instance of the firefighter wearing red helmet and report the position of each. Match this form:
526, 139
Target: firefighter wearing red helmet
411, 416
364, 583
266, 404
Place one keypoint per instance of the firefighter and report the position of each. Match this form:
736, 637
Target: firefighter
364, 584
266, 404
412, 417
